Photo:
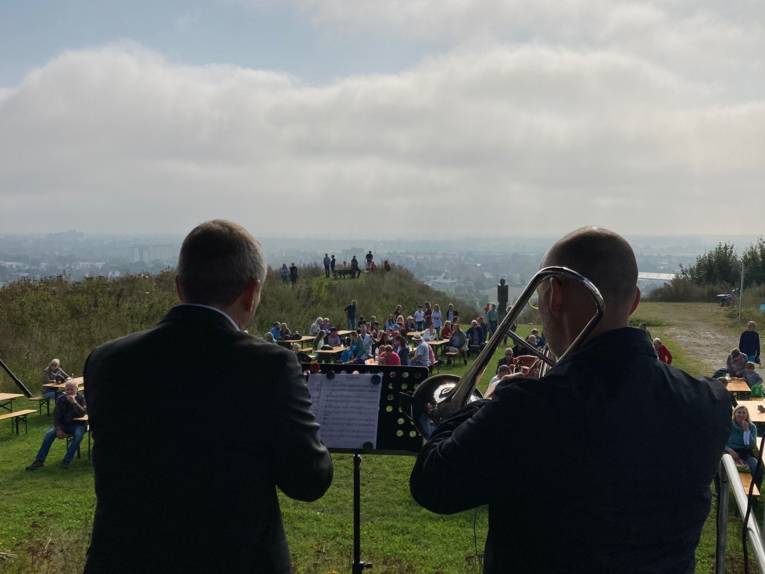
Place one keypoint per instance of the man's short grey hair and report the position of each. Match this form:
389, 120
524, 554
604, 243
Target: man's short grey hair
218, 260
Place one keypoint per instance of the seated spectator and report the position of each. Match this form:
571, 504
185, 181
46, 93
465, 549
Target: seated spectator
333, 339
476, 337
751, 376
356, 348
742, 442
367, 340
326, 325
519, 350
53, 374
430, 334
302, 357
502, 372
390, 324
321, 340
662, 352
446, 330
388, 357
269, 338
736, 363
400, 348
749, 342
286, 334
69, 406
540, 339
315, 327
276, 330
421, 356
458, 340
506, 360
411, 324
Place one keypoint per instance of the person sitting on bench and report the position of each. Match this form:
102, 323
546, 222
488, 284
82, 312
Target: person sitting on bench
53, 374
476, 337
742, 442
736, 363
69, 406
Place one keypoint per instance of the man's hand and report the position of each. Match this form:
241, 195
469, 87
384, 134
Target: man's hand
60, 433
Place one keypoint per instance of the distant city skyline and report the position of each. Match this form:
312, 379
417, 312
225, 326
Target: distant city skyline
337, 118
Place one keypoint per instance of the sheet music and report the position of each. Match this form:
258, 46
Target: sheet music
347, 407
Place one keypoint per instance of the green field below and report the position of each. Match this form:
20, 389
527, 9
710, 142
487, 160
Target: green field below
45, 516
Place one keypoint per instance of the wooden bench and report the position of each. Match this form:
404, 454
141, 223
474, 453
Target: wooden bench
746, 480
451, 355
17, 416
40, 402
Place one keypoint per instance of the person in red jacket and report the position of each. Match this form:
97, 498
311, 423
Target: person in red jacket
661, 350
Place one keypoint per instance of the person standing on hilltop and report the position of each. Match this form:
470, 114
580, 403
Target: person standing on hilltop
201, 496
749, 342
327, 263
355, 272
284, 272
332, 264
293, 274
369, 258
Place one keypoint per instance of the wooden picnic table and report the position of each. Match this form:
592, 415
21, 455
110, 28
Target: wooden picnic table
329, 354
437, 345
6, 400
288, 342
60, 386
344, 333
738, 388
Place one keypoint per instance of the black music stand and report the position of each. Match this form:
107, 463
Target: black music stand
396, 434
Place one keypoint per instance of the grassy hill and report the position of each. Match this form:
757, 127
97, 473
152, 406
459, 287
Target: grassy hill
55, 318
47, 515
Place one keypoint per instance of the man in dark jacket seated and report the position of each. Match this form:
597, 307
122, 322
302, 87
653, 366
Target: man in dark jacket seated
611, 423
69, 406
184, 484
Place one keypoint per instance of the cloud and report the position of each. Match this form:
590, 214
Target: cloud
492, 139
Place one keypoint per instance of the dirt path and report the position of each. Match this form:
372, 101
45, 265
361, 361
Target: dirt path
708, 347
705, 332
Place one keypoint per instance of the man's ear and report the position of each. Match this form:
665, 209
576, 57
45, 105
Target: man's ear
178, 290
636, 301
251, 295
556, 296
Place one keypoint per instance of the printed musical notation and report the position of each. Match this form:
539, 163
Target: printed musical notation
347, 407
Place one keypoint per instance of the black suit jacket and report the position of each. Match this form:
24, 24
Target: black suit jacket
602, 467
194, 426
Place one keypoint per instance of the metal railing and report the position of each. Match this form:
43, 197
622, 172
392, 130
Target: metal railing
731, 481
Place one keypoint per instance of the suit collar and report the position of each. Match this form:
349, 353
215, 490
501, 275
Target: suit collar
201, 314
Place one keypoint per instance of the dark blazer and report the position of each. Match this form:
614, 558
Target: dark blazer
603, 466
194, 425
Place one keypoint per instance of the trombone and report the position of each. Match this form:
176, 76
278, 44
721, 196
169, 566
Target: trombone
441, 396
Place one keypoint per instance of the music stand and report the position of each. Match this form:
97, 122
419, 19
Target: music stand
366, 391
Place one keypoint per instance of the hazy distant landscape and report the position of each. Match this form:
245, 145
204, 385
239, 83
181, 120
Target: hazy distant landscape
465, 267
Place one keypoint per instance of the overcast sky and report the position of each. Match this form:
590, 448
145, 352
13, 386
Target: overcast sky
369, 117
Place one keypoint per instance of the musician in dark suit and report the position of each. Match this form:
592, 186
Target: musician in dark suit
185, 478
604, 465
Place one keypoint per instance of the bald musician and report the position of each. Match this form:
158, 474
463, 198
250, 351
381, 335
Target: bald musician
602, 466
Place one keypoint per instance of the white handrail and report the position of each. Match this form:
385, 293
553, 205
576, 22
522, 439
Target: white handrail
740, 496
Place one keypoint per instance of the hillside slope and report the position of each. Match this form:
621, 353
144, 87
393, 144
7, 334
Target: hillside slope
56, 318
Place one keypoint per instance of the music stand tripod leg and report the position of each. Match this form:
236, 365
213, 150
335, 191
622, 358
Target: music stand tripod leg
358, 565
